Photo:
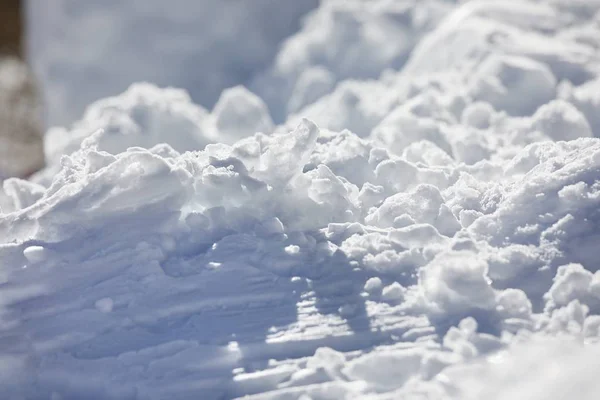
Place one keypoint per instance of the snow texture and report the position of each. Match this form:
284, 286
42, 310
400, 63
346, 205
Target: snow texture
404, 205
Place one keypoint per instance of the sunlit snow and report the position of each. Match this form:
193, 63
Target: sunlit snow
403, 205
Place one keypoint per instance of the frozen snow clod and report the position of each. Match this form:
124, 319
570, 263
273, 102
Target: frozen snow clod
377, 368
287, 154
393, 294
240, 113
514, 303
22, 193
373, 286
35, 254
478, 115
587, 100
560, 120
105, 305
456, 283
574, 282
513, 84
553, 183
424, 205
137, 184
143, 116
312, 84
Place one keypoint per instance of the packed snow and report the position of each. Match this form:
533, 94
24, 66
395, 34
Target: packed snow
403, 205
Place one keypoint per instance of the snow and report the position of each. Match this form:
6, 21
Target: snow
86, 51
402, 205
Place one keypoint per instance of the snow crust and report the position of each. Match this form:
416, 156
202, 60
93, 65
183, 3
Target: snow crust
422, 224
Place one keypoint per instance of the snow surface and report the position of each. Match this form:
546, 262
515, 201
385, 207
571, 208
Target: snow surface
422, 224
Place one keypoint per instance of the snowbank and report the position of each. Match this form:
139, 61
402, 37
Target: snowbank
442, 247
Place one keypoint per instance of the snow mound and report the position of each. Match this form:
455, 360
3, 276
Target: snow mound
427, 233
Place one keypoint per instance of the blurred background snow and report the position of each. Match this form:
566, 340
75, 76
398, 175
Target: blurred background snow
83, 51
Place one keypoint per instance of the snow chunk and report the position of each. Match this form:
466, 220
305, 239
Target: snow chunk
22, 193
240, 113
143, 116
105, 305
287, 154
574, 282
424, 204
516, 85
560, 120
401, 128
514, 303
385, 371
373, 286
35, 254
393, 294
478, 115
457, 282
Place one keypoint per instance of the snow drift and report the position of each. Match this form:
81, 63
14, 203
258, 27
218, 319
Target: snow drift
428, 231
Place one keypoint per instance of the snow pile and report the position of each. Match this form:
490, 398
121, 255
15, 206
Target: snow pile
342, 40
429, 233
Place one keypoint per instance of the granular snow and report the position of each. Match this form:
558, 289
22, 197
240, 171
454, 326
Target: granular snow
422, 225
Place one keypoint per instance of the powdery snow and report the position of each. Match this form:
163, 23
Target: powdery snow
422, 224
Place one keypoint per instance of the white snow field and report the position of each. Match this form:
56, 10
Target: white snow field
417, 218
